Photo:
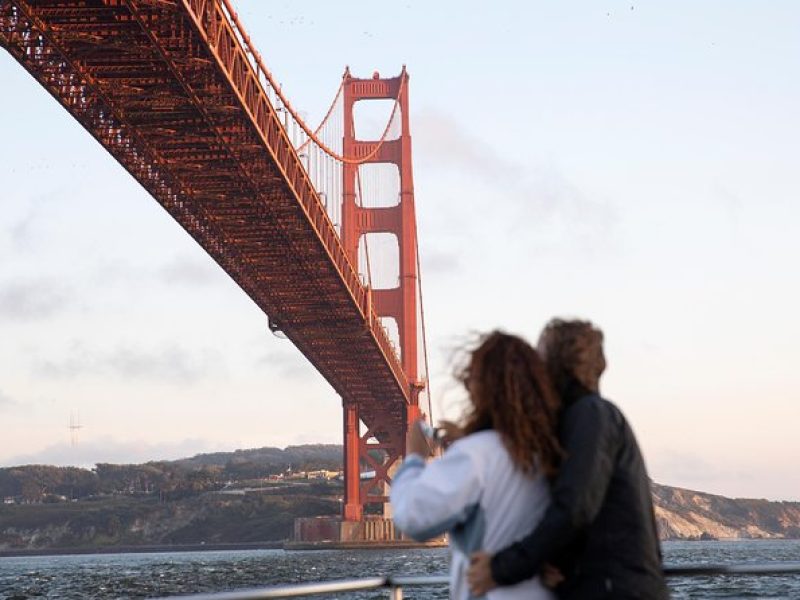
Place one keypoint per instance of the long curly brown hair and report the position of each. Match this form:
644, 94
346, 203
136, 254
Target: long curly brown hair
573, 351
511, 393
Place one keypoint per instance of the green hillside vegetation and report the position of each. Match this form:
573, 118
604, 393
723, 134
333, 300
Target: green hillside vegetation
269, 461
169, 479
209, 498
137, 520
233, 497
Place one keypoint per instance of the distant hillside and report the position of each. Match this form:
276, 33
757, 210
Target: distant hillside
169, 479
146, 520
230, 497
224, 497
686, 514
271, 460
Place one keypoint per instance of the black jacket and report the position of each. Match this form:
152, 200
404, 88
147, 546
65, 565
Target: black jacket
600, 527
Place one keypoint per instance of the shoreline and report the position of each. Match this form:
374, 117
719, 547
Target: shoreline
145, 549
286, 545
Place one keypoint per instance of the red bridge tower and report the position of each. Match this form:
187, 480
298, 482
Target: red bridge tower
398, 303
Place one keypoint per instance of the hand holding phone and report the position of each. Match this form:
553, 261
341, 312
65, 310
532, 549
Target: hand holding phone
417, 442
434, 434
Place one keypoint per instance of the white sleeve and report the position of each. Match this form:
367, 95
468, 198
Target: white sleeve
428, 500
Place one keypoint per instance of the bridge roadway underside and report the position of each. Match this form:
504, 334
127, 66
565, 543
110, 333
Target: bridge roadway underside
158, 84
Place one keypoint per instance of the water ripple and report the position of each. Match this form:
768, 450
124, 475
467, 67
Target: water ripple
107, 577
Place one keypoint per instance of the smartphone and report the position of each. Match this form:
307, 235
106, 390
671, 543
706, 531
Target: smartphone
432, 433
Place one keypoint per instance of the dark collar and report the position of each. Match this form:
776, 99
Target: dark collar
573, 390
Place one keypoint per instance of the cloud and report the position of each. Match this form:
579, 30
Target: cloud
570, 207
6, 401
693, 471
189, 272
733, 206
289, 365
725, 476
519, 197
440, 262
440, 135
115, 271
171, 364
32, 300
27, 230
109, 450
320, 436
179, 271
21, 232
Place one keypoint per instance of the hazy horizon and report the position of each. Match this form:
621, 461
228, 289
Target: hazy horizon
630, 163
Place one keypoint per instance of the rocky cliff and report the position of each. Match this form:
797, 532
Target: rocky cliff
689, 515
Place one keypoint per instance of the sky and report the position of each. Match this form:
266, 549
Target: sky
633, 163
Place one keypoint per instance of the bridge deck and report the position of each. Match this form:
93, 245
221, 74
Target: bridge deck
166, 88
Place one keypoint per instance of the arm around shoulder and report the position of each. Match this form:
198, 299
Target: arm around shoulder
590, 438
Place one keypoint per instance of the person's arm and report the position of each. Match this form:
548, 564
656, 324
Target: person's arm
590, 438
428, 500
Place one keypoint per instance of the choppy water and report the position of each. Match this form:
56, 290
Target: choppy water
148, 575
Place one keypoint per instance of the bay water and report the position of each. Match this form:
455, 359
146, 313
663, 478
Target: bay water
110, 576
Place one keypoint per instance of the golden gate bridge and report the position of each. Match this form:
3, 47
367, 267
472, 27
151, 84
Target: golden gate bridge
175, 91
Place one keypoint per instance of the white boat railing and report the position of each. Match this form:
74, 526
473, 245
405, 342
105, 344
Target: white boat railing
395, 584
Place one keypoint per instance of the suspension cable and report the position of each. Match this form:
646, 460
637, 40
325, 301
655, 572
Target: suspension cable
261, 68
328, 114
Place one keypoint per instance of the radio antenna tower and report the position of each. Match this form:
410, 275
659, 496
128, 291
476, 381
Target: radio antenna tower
74, 426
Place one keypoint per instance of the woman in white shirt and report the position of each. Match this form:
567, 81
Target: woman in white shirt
489, 489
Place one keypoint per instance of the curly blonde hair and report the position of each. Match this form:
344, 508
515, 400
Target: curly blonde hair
510, 390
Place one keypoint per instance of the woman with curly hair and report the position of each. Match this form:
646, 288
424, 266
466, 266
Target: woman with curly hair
490, 486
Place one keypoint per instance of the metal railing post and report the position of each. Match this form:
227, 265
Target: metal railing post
396, 593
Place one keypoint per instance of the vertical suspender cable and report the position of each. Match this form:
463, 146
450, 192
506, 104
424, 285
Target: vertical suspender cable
424, 333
